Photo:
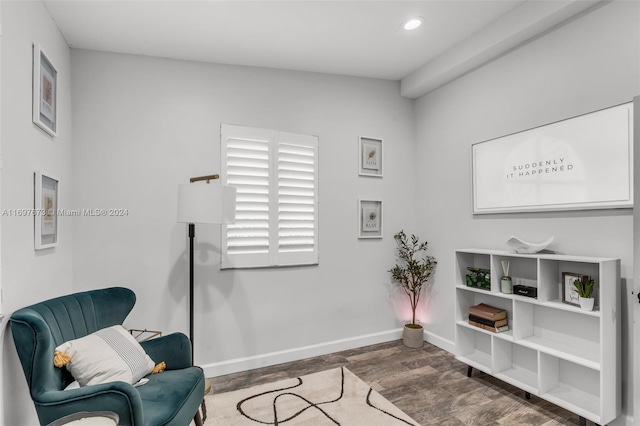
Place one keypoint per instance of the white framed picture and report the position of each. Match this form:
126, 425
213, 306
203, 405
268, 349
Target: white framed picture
45, 211
369, 218
45, 92
569, 292
558, 166
370, 156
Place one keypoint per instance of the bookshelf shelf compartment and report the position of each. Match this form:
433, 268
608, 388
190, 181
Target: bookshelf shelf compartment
566, 334
576, 386
471, 260
557, 304
557, 351
522, 270
475, 349
517, 365
505, 335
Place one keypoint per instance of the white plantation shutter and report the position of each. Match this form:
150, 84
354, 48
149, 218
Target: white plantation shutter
247, 169
276, 176
297, 199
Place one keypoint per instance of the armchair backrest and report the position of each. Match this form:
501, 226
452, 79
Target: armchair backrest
39, 328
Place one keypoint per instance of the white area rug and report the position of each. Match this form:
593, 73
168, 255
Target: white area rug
332, 397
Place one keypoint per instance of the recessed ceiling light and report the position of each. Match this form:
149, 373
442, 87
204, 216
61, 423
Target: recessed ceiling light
412, 23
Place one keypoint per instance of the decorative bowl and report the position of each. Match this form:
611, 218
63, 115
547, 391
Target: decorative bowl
520, 246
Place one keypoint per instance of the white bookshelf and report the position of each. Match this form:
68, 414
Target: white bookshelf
554, 350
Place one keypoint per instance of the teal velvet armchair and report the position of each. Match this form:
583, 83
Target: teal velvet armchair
170, 398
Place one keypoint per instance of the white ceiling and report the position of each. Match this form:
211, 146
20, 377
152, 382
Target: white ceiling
356, 38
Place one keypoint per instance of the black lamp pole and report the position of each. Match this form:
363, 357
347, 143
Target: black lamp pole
192, 234
204, 205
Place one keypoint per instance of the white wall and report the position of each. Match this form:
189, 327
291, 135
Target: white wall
588, 64
29, 276
144, 125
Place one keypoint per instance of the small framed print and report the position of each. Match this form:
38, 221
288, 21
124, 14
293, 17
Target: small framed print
45, 211
45, 92
370, 155
369, 219
569, 293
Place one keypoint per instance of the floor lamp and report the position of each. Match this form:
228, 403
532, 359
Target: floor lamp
203, 203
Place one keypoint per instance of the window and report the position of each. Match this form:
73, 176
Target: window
276, 176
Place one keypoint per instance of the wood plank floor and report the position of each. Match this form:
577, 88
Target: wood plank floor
428, 384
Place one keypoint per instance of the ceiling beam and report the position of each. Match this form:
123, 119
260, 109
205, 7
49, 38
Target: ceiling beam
516, 27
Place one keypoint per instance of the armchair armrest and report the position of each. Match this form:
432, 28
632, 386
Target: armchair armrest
118, 397
174, 349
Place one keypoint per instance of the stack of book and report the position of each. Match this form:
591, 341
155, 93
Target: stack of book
488, 318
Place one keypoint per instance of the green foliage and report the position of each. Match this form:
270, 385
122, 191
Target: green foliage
584, 288
414, 269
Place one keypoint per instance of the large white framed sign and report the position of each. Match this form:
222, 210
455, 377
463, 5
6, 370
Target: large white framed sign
584, 162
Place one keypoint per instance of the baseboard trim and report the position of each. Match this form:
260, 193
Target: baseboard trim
249, 363
440, 342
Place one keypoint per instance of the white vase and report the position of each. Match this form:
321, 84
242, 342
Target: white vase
505, 285
586, 303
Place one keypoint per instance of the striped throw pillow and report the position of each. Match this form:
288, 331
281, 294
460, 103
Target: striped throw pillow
108, 355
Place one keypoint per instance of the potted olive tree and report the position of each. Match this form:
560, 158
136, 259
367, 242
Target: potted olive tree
413, 273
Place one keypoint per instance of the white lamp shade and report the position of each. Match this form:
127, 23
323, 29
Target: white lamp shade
206, 203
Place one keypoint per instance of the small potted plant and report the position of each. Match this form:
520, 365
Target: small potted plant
585, 293
413, 273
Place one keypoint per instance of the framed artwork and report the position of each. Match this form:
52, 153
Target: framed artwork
45, 211
558, 166
370, 157
369, 219
569, 293
45, 92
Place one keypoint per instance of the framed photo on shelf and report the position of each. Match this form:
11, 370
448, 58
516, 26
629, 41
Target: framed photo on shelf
369, 219
45, 92
45, 211
569, 293
370, 155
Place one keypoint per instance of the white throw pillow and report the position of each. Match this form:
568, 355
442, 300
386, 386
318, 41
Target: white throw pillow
108, 355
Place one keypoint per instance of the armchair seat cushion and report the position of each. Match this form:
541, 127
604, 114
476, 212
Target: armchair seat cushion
167, 397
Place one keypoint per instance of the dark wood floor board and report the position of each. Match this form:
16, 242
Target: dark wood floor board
428, 384
527, 417
401, 378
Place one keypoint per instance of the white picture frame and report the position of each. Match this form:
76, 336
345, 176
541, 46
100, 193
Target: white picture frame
370, 158
569, 293
45, 211
370, 218
558, 166
45, 92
